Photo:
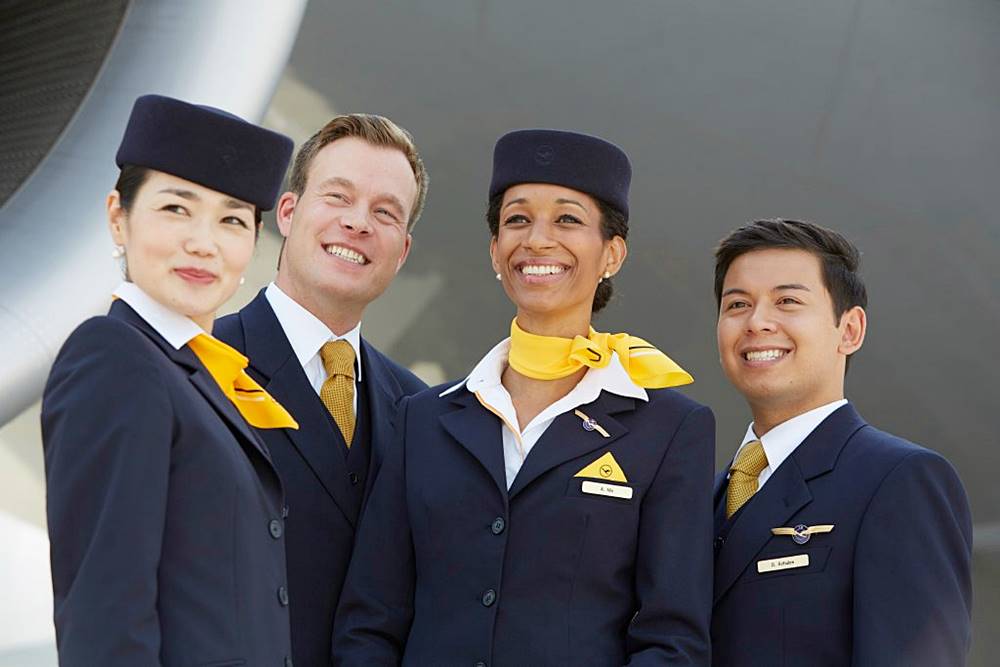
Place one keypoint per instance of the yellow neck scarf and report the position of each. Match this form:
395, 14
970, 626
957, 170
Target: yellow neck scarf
551, 357
226, 366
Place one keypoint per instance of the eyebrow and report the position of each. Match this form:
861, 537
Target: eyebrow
336, 180
520, 200
193, 196
571, 201
776, 288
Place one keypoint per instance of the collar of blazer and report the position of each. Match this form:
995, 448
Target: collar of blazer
475, 428
199, 376
786, 492
273, 363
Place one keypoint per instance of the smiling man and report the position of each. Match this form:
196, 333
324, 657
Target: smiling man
357, 188
836, 543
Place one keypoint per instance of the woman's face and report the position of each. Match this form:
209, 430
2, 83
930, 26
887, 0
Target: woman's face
550, 252
185, 245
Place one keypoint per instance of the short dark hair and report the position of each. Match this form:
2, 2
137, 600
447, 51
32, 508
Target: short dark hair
839, 258
131, 178
613, 223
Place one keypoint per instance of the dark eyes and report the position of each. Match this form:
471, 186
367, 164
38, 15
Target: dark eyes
565, 218
174, 208
235, 220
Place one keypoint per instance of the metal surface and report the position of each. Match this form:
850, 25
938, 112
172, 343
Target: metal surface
55, 249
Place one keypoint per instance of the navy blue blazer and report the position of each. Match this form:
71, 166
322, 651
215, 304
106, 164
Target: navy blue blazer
451, 568
164, 510
890, 585
325, 482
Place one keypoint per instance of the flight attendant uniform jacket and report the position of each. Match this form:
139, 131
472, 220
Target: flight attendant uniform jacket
164, 512
452, 568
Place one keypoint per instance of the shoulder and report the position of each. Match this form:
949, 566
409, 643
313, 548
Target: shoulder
229, 329
111, 342
408, 382
670, 404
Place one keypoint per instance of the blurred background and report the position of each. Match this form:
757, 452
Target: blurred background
879, 118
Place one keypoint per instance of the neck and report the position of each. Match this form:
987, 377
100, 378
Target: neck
561, 326
338, 316
205, 322
766, 418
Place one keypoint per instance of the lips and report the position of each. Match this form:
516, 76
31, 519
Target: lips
195, 275
536, 271
764, 355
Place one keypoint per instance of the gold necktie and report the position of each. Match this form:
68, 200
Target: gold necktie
226, 366
743, 476
337, 392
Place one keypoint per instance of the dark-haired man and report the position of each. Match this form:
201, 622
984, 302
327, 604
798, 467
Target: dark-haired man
357, 188
836, 543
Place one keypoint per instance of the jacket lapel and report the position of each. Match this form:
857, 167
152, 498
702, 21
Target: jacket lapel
383, 394
566, 439
784, 494
478, 430
199, 376
277, 368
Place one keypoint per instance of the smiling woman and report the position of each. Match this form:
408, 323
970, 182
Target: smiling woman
164, 513
552, 508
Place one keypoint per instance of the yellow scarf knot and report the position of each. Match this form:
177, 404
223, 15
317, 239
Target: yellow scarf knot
552, 357
227, 367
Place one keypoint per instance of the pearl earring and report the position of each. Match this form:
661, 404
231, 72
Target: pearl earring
607, 275
242, 280
117, 252
498, 277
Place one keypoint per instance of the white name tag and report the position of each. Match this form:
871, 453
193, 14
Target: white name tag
783, 563
612, 490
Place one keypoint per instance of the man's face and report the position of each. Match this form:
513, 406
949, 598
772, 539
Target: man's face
346, 235
779, 343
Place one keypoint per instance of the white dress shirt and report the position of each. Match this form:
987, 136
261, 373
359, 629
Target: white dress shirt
781, 441
175, 328
484, 382
307, 336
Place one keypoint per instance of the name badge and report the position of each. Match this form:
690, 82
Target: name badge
610, 490
783, 563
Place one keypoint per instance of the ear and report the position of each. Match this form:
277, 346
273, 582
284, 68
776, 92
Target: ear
406, 252
116, 218
283, 212
615, 253
853, 324
493, 254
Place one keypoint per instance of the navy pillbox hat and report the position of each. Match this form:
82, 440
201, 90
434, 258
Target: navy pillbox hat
578, 161
207, 146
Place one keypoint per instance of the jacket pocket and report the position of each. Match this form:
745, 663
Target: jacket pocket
224, 663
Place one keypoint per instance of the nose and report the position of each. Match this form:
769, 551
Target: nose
355, 220
761, 320
538, 237
201, 239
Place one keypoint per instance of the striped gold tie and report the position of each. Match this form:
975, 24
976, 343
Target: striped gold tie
337, 392
743, 476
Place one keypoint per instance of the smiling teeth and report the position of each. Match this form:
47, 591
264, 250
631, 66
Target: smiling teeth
344, 253
764, 355
541, 270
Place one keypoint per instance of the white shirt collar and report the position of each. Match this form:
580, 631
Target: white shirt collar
612, 378
305, 332
783, 439
175, 328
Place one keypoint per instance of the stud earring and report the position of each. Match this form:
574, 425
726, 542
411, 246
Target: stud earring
117, 252
243, 280
498, 277
607, 275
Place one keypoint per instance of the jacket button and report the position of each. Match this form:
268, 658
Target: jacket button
489, 597
288, 662
354, 478
480, 664
275, 527
719, 541
283, 596
498, 525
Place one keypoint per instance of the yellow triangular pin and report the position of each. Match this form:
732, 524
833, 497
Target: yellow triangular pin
605, 468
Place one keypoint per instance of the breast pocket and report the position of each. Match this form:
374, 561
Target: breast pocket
610, 493
787, 561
